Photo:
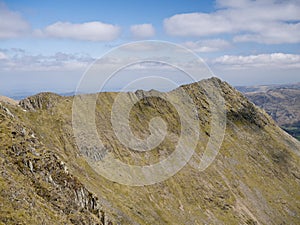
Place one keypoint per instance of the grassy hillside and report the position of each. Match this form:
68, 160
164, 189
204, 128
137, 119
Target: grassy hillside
253, 180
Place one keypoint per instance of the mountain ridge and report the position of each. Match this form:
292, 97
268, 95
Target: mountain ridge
253, 180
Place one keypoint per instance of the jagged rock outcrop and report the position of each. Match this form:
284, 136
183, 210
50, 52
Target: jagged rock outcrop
44, 100
47, 181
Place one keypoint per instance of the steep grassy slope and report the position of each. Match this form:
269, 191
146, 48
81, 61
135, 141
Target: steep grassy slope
35, 184
254, 179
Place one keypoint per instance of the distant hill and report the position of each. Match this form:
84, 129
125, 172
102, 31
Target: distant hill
21, 95
265, 88
282, 102
8, 100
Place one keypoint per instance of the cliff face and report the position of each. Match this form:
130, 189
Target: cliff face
45, 178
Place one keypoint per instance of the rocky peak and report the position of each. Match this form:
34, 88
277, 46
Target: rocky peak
45, 100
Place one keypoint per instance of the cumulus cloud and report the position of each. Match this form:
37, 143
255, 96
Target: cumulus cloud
142, 31
210, 45
11, 23
196, 24
90, 31
275, 33
273, 60
265, 21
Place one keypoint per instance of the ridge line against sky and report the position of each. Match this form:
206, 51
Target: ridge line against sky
48, 45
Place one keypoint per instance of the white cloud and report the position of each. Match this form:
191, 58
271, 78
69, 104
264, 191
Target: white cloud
90, 31
11, 23
197, 24
273, 60
3, 56
266, 21
142, 31
275, 33
211, 45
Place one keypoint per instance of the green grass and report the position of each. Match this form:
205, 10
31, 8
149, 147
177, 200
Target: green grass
293, 131
252, 172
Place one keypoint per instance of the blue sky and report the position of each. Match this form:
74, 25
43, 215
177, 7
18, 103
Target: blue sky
47, 45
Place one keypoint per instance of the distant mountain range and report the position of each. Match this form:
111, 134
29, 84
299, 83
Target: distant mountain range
265, 88
282, 102
22, 95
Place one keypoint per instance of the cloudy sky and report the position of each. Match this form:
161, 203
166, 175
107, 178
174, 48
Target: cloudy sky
48, 45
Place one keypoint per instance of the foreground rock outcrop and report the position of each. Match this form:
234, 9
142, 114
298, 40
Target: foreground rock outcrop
36, 186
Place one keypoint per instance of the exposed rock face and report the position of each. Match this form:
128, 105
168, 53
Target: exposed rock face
44, 100
6, 110
29, 169
45, 179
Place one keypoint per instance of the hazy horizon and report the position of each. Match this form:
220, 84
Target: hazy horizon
19, 94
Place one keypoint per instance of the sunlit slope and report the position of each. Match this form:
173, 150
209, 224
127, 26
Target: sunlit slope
254, 179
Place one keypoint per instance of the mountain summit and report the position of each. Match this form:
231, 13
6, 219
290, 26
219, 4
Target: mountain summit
46, 178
